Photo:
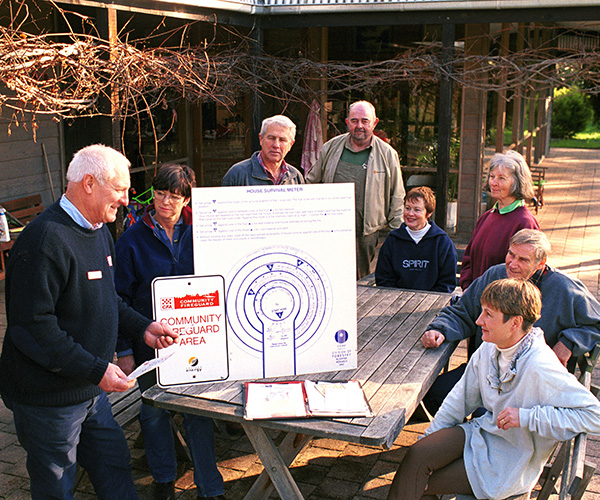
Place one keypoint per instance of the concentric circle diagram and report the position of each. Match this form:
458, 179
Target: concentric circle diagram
278, 297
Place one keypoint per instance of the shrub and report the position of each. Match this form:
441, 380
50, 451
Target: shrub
571, 112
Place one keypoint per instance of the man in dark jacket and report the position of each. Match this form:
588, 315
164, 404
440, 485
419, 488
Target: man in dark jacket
570, 313
63, 317
267, 167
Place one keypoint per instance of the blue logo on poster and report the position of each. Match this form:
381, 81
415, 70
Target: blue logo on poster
341, 336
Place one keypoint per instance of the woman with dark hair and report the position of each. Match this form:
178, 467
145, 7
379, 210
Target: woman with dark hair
160, 244
418, 255
509, 182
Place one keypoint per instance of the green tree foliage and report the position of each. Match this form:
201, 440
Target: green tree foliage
571, 112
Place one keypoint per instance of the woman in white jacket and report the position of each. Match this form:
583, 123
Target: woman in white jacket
532, 401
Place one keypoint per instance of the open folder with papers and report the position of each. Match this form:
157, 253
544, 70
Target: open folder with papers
304, 398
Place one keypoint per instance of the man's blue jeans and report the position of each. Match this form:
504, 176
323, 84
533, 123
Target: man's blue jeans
160, 449
56, 438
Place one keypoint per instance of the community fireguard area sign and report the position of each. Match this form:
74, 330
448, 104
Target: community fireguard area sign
274, 292
194, 307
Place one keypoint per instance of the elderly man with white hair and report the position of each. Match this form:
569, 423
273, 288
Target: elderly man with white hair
531, 402
267, 167
570, 314
63, 317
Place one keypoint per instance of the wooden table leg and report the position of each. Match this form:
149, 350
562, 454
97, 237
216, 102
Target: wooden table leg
275, 461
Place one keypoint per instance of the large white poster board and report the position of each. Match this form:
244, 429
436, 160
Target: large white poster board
287, 258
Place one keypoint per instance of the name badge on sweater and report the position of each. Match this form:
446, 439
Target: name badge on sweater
94, 275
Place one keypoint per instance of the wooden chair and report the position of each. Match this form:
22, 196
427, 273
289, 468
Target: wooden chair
25, 209
19, 213
538, 176
569, 457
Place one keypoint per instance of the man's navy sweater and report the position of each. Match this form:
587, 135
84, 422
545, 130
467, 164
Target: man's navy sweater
63, 312
427, 265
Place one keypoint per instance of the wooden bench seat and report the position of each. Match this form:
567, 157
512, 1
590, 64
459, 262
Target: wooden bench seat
125, 405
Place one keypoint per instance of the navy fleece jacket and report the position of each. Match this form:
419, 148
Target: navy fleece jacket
140, 257
428, 265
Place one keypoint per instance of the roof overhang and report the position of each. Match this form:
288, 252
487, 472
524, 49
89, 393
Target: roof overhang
306, 13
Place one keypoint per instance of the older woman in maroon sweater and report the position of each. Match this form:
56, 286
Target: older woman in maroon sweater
509, 182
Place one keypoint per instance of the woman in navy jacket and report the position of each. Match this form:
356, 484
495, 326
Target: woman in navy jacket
418, 255
160, 244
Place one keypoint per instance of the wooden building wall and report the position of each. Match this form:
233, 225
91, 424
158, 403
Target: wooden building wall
22, 167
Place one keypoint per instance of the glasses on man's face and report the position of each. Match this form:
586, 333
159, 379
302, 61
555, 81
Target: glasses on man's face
166, 196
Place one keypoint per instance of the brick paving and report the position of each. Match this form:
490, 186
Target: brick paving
329, 469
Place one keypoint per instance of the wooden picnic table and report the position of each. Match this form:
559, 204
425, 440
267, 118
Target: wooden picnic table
393, 368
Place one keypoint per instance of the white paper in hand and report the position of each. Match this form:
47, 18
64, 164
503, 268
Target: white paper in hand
151, 364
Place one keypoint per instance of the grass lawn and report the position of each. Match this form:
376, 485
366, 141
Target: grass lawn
583, 140
588, 139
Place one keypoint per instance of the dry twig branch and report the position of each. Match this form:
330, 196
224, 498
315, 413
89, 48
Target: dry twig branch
74, 78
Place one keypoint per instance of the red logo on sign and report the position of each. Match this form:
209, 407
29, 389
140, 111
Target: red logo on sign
167, 303
190, 301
